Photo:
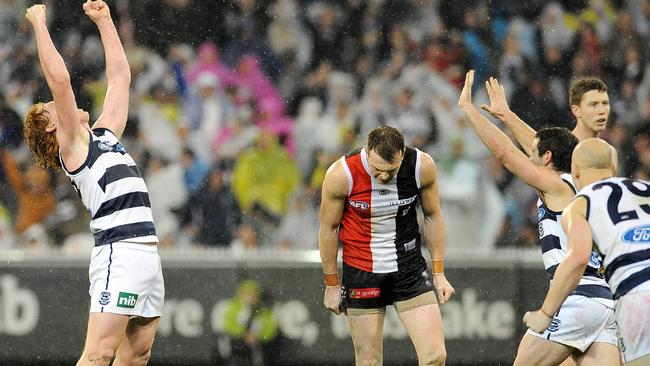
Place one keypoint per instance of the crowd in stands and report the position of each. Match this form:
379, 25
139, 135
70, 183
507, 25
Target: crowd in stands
238, 107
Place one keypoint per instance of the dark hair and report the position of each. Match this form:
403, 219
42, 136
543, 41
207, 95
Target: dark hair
560, 142
583, 85
386, 141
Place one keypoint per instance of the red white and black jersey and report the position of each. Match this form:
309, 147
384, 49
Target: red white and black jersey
379, 228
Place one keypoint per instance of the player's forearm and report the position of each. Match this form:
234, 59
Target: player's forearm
492, 137
51, 61
434, 233
566, 279
329, 246
117, 65
522, 131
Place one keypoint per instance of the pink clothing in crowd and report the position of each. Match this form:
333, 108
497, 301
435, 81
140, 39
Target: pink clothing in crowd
209, 61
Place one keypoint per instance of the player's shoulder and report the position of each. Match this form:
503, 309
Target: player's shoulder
427, 168
335, 177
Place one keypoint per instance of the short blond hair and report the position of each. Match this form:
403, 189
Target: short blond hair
42, 144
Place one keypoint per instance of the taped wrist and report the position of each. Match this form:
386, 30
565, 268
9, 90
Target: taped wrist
331, 279
438, 265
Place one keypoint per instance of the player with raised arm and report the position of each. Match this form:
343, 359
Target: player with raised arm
588, 99
126, 283
584, 326
369, 203
612, 215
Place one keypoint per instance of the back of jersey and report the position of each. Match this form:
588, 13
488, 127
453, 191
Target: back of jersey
618, 211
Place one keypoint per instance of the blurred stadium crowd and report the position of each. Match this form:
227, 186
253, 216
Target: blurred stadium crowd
238, 107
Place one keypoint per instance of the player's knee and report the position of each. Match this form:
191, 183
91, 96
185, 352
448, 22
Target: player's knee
368, 356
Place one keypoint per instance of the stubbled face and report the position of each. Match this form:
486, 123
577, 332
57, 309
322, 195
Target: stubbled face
49, 107
534, 157
383, 170
593, 110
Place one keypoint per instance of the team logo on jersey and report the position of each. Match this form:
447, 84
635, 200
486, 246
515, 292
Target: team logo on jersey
639, 234
127, 300
365, 293
359, 205
106, 146
541, 212
104, 298
555, 325
594, 260
384, 192
541, 230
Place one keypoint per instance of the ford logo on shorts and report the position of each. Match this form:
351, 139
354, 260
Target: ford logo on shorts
359, 205
639, 234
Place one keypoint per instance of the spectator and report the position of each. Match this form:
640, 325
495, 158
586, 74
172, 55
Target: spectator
35, 197
212, 215
265, 175
250, 325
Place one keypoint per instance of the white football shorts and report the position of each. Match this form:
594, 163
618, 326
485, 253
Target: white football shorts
633, 319
126, 278
580, 322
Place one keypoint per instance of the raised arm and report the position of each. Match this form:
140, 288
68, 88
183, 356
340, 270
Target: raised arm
118, 74
499, 109
568, 273
434, 225
334, 193
504, 149
58, 80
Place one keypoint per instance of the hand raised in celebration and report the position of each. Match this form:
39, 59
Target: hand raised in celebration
36, 14
465, 99
498, 104
96, 10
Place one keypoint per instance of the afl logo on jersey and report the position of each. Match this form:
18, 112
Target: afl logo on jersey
639, 234
359, 205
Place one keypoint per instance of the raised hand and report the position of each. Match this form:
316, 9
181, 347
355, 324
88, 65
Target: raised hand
36, 14
96, 10
465, 99
498, 104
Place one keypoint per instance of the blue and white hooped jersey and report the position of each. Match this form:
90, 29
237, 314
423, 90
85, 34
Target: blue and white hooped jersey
113, 191
618, 211
554, 246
